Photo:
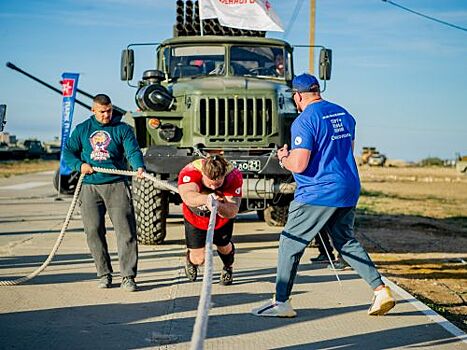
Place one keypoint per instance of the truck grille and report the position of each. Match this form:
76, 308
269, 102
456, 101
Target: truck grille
235, 119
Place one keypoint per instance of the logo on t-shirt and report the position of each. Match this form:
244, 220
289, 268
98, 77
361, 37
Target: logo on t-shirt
298, 140
186, 178
99, 141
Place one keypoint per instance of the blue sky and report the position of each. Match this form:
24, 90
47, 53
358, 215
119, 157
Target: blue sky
403, 77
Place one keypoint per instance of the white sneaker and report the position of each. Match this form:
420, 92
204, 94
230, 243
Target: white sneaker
273, 308
383, 301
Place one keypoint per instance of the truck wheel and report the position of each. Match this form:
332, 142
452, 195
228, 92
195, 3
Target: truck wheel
151, 210
67, 182
276, 215
260, 214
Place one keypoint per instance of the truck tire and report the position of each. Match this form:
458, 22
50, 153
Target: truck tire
276, 215
260, 214
67, 182
151, 210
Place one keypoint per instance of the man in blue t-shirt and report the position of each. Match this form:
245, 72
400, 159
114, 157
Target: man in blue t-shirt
328, 186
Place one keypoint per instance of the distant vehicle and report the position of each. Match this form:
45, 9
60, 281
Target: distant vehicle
377, 159
12, 152
34, 148
52, 149
461, 164
372, 157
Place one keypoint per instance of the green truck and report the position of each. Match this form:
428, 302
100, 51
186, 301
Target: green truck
221, 92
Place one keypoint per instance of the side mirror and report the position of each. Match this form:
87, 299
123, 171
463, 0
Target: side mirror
127, 64
2, 116
325, 64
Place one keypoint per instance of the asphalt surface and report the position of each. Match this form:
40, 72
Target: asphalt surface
63, 309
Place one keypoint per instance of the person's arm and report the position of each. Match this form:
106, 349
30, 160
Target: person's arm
132, 151
228, 208
296, 160
72, 153
190, 195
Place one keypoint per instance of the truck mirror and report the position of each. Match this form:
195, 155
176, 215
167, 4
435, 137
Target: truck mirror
2, 116
127, 64
325, 64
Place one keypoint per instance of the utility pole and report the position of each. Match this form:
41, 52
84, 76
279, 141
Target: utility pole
312, 34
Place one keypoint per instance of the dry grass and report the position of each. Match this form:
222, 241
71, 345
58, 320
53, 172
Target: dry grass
10, 168
414, 223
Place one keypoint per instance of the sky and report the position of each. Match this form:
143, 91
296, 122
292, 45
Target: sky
403, 77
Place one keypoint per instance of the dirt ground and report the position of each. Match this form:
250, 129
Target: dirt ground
413, 221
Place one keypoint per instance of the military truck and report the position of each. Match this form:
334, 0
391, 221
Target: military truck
217, 90
372, 157
461, 164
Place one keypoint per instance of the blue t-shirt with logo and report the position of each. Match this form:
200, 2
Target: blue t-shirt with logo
331, 177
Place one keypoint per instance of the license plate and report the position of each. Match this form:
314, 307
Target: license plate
247, 165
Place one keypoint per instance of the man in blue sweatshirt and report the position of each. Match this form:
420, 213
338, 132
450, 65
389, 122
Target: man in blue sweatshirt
101, 141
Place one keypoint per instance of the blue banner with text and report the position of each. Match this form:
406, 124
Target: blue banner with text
69, 87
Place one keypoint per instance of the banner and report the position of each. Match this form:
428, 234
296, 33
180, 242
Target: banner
69, 86
242, 14
2, 116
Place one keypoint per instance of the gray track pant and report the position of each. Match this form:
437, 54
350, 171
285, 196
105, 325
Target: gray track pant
304, 222
114, 198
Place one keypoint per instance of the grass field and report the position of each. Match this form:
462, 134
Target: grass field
9, 168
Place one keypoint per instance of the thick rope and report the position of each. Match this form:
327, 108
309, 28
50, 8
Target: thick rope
162, 184
57, 243
200, 327
201, 322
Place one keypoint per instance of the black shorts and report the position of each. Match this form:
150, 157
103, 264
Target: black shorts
196, 238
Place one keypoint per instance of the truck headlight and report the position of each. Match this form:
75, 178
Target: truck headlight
170, 132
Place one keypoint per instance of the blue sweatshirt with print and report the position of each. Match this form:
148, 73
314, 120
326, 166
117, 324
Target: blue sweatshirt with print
103, 145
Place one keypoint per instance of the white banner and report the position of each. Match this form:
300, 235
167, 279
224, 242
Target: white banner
242, 14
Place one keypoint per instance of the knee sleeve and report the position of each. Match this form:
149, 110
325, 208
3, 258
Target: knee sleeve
228, 259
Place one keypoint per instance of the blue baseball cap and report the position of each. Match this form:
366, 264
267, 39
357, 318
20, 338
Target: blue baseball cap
304, 83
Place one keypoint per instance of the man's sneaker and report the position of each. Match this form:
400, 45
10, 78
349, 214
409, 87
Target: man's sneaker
226, 276
273, 308
383, 301
105, 281
340, 265
129, 284
322, 258
191, 270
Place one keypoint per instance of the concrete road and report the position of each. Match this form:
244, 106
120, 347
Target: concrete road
63, 309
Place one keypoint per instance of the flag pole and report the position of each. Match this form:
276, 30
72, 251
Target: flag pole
200, 16
312, 35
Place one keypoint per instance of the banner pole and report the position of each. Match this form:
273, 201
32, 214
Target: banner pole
59, 186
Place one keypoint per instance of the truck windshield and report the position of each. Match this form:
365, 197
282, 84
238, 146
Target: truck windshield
192, 61
259, 61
